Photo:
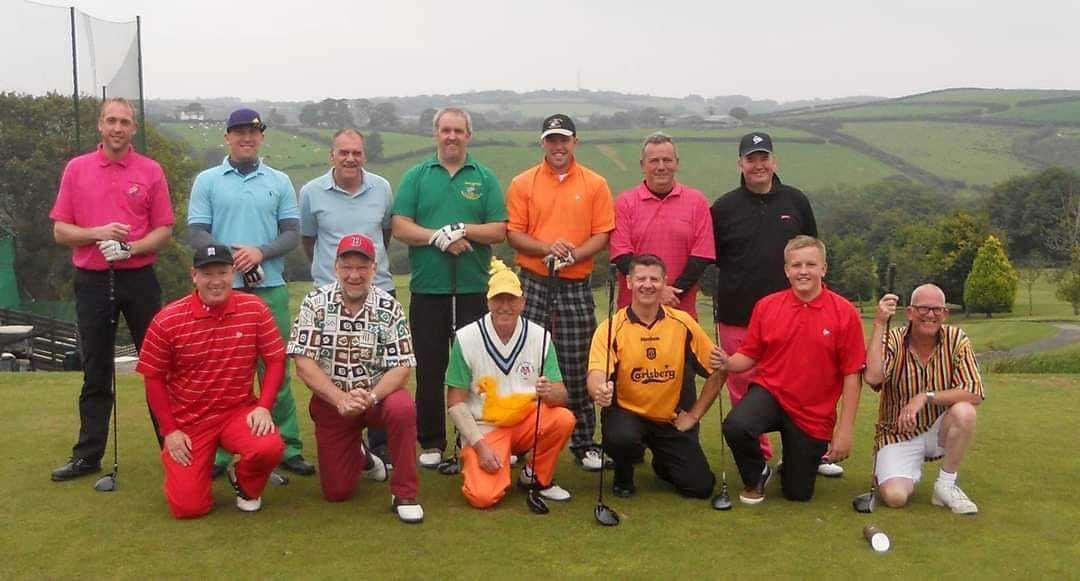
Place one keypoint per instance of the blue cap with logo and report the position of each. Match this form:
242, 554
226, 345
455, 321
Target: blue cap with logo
245, 117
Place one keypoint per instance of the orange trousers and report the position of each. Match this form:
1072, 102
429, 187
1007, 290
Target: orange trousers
484, 489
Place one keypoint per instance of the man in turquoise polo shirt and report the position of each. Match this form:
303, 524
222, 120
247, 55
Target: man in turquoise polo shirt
449, 210
347, 200
251, 207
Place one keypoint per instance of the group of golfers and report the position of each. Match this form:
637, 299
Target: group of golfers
516, 360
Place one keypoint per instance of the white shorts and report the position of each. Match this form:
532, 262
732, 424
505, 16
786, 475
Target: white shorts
905, 459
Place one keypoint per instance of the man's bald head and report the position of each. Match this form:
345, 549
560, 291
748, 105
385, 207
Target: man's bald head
928, 292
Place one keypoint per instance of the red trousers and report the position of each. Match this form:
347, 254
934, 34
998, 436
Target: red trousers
483, 489
340, 445
187, 488
731, 338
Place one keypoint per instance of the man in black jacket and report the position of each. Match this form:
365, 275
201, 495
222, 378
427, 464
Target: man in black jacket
751, 225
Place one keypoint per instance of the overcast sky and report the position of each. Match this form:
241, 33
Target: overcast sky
775, 49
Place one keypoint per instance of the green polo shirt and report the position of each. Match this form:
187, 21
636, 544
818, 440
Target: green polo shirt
433, 199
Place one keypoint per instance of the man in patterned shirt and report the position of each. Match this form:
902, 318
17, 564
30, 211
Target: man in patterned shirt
930, 384
353, 349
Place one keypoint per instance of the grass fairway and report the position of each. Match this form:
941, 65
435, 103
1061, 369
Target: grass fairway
67, 529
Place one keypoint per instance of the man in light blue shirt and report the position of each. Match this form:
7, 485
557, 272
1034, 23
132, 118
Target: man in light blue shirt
251, 207
345, 200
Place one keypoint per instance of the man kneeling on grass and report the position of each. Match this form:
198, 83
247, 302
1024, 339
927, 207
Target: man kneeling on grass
494, 379
807, 345
930, 384
354, 350
198, 360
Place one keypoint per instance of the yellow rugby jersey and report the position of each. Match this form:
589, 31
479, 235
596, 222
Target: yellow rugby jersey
649, 361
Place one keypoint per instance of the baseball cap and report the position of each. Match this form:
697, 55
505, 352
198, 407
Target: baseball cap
559, 124
503, 280
242, 117
213, 254
356, 243
756, 141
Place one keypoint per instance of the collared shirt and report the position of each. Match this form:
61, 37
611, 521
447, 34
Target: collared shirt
803, 352
951, 365
95, 191
245, 210
650, 361
546, 206
354, 349
674, 228
207, 354
433, 198
328, 213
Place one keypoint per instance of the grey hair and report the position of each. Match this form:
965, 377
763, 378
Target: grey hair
345, 131
658, 138
456, 111
927, 286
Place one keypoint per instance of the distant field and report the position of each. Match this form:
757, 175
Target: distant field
279, 149
896, 110
1003, 96
976, 154
1067, 112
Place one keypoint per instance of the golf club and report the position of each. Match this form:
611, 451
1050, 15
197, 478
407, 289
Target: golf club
722, 501
604, 514
278, 479
452, 465
534, 501
108, 483
864, 502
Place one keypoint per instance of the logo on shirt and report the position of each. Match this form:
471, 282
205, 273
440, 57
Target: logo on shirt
525, 370
471, 191
825, 332
133, 190
650, 353
646, 375
785, 218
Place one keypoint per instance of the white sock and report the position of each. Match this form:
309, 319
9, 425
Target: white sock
948, 478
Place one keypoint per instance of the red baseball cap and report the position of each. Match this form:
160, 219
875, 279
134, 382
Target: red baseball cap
356, 243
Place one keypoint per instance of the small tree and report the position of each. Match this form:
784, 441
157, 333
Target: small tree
991, 285
739, 113
1068, 288
1030, 274
373, 146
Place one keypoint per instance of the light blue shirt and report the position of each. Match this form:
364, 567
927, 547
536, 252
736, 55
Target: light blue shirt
245, 210
329, 213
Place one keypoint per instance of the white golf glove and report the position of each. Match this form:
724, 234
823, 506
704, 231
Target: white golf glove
447, 235
254, 276
114, 250
559, 261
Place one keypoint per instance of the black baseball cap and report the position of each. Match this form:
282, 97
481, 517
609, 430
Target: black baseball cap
213, 254
558, 124
756, 141
245, 117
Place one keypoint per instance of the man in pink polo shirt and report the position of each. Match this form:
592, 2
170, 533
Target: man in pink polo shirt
113, 210
664, 217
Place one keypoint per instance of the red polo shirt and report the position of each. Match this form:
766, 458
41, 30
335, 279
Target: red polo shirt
96, 190
207, 356
803, 351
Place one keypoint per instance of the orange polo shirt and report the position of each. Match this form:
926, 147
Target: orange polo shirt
546, 208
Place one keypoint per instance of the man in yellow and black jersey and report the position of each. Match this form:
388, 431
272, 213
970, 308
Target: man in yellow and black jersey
654, 352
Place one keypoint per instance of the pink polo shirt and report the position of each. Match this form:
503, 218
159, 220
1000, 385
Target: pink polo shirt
674, 228
95, 191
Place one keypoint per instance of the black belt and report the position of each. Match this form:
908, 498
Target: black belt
558, 280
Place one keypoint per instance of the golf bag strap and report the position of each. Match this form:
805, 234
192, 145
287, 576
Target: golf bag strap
466, 423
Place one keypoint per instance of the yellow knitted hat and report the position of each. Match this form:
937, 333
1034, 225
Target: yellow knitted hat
503, 280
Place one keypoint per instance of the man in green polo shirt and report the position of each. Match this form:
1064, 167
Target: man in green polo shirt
449, 210
251, 207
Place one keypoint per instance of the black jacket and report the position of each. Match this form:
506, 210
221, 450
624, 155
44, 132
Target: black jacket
750, 231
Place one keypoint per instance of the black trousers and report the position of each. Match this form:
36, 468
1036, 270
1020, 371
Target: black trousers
429, 321
757, 413
137, 296
677, 456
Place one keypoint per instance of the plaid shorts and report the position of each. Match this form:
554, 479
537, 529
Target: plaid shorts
573, 321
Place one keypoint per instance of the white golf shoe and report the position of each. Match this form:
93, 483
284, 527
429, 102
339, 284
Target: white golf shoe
552, 492
407, 511
243, 503
830, 470
430, 458
376, 469
950, 495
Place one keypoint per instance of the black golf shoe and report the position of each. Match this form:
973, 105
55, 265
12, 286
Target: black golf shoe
623, 490
297, 465
218, 471
74, 468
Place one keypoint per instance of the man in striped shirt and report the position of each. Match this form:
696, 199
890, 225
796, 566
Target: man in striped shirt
930, 384
198, 360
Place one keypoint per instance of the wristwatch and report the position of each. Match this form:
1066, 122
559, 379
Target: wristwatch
931, 397
375, 398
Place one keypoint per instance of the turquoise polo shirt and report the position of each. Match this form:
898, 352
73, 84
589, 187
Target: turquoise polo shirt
245, 210
329, 213
433, 199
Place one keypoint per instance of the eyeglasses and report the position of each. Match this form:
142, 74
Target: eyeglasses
924, 310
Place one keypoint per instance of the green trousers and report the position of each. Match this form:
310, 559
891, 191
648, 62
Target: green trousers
284, 412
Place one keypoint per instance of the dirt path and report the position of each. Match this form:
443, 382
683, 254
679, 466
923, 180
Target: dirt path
1068, 333
610, 153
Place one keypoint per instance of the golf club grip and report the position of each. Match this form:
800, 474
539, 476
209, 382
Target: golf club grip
890, 282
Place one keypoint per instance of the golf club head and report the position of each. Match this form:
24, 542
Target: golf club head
536, 502
106, 483
449, 467
606, 515
863, 503
278, 479
722, 501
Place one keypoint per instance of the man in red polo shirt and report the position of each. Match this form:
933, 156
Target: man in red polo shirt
113, 210
198, 362
807, 343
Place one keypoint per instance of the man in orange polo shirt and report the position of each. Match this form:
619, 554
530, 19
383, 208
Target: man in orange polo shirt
561, 211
